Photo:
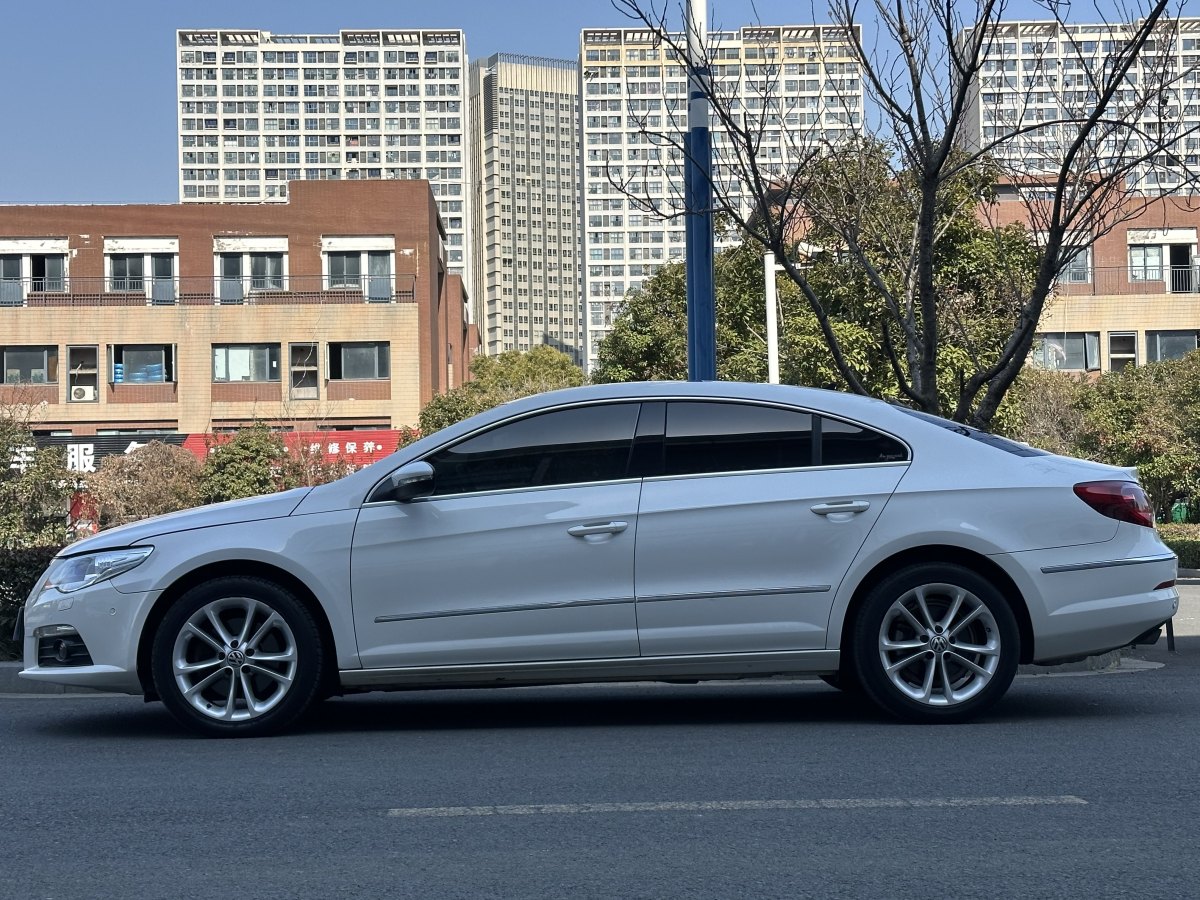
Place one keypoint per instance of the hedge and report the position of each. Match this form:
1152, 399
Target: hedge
1185, 541
20, 568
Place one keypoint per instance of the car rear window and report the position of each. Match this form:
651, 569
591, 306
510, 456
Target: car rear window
983, 437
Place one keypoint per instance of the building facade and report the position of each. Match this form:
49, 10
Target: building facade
799, 82
1132, 297
258, 110
333, 309
524, 116
1043, 72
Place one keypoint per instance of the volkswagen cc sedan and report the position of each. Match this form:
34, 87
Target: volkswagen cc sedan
630, 532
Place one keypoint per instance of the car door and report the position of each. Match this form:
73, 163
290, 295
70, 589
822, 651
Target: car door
524, 551
745, 536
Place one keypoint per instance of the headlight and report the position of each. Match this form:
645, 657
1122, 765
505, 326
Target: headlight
78, 572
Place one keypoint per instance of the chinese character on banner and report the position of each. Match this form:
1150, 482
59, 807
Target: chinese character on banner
351, 447
81, 457
369, 446
314, 448
334, 449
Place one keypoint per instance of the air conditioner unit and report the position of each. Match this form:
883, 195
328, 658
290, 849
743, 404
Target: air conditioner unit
83, 392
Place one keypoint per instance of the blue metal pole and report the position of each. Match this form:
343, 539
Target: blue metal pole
701, 294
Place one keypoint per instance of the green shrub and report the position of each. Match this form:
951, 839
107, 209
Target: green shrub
1184, 540
20, 568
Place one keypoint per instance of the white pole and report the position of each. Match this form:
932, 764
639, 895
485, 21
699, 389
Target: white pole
772, 320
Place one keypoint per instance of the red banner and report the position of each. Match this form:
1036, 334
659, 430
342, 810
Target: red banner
359, 447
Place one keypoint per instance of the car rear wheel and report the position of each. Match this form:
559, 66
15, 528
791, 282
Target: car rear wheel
935, 643
237, 657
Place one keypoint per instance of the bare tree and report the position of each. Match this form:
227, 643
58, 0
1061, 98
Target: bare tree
1097, 135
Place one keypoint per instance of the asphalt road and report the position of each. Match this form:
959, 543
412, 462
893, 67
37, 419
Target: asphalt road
1078, 785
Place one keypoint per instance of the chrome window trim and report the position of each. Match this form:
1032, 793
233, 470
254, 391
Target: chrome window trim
503, 491
1108, 563
791, 470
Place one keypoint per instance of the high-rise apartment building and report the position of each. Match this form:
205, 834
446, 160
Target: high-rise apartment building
800, 82
257, 110
525, 252
1045, 71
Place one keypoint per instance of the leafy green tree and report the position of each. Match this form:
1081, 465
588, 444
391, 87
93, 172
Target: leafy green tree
248, 464
499, 379
152, 480
35, 488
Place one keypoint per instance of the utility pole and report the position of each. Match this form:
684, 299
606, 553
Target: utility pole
770, 267
701, 297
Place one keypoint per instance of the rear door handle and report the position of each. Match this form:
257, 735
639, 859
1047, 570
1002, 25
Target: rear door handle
597, 528
841, 506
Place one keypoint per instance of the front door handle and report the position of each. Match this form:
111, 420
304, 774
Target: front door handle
841, 506
597, 528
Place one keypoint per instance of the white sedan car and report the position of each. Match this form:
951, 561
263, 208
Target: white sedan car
630, 532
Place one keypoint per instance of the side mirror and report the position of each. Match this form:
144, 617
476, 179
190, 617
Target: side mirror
407, 483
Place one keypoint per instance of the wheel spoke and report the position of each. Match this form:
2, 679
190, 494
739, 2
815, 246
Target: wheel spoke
970, 617
947, 687
286, 656
908, 660
886, 644
959, 597
980, 649
977, 669
187, 668
927, 686
193, 630
231, 702
205, 682
920, 595
251, 609
217, 624
278, 676
272, 620
913, 620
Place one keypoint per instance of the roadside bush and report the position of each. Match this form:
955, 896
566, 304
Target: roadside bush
20, 567
149, 481
1184, 541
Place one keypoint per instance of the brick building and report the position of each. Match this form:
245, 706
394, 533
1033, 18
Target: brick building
1132, 297
335, 310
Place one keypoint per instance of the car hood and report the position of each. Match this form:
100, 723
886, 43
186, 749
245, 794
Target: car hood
251, 509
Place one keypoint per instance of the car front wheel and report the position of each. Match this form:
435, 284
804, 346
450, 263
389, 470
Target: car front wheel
935, 643
237, 657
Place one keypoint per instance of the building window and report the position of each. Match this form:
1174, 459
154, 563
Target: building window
359, 360
1079, 269
1145, 262
1122, 350
1162, 345
304, 377
83, 374
143, 363
30, 365
127, 272
369, 271
45, 272
11, 291
249, 264
266, 271
245, 362
1077, 351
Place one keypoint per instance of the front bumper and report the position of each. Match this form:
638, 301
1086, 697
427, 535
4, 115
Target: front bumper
106, 622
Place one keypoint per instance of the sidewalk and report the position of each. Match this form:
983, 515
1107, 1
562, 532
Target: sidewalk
1186, 623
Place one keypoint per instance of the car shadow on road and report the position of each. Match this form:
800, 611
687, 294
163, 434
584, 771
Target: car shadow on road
610, 706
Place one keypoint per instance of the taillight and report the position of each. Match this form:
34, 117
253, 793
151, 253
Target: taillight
1122, 500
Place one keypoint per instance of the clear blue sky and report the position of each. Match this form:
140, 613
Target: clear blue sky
90, 87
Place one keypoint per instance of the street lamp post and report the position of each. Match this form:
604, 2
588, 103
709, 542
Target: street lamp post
770, 267
701, 299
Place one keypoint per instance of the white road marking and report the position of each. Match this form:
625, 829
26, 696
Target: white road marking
555, 809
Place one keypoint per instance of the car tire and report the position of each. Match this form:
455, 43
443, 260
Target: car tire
237, 657
935, 642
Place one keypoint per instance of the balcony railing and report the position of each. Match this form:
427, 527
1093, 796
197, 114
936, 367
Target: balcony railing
128, 290
1123, 280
